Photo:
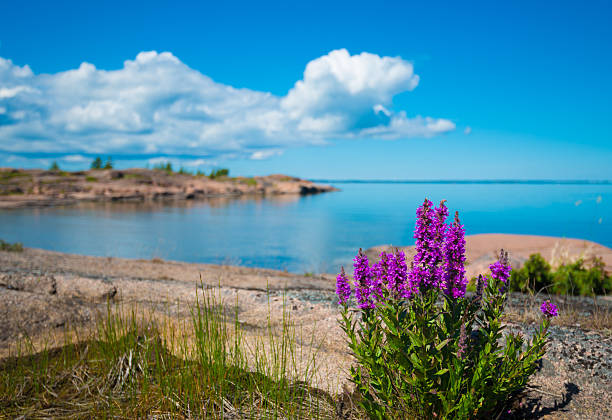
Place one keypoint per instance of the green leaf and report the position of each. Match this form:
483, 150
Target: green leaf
442, 344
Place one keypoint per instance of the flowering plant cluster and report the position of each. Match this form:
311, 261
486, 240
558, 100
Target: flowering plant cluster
423, 348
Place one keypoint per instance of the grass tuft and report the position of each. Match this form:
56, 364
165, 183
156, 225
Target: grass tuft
132, 365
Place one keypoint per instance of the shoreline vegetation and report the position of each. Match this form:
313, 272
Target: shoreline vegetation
63, 310
35, 187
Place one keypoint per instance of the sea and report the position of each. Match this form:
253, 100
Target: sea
313, 233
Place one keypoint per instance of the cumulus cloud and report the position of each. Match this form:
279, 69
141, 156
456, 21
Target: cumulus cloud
157, 105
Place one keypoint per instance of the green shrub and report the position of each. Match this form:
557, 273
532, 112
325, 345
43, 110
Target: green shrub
575, 279
425, 350
91, 179
54, 166
571, 278
535, 275
6, 246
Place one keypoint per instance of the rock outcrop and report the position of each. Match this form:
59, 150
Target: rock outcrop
482, 250
27, 188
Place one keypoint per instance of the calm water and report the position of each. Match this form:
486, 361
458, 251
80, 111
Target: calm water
308, 234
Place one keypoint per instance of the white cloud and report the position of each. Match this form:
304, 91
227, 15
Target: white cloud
468, 130
75, 158
155, 104
265, 154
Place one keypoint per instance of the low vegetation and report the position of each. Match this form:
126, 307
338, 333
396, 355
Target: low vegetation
9, 247
219, 173
131, 366
580, 277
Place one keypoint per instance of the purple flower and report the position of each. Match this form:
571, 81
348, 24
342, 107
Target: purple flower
396, 273
549, 309
362, 274
429, 235
439, 236
378, 277
500, 269
453, 277
343, 288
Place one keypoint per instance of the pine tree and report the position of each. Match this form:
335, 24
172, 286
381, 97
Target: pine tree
97, 163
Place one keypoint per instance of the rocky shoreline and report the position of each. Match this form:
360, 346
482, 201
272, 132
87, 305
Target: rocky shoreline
32, 188
43, 292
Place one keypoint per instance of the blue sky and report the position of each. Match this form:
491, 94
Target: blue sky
444, 89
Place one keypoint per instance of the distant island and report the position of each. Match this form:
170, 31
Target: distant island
37, 187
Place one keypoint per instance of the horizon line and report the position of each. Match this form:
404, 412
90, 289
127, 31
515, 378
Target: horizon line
469, 181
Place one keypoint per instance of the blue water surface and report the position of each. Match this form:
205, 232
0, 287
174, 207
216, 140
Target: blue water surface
315, 233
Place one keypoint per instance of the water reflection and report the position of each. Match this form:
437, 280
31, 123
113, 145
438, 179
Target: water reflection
147, 206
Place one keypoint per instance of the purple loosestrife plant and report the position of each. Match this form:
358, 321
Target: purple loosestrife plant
422, 348
378, 279
501, 269
429, 239
454, 282
549, 309
397, 274
362, 274
343, 288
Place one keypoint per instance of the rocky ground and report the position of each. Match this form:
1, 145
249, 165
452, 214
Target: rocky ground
28, 188
484, 248
43, 292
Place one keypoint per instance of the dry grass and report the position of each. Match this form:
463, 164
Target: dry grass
140, 364
573, 312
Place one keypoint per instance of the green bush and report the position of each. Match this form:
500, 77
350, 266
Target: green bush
6, 246
571, 278
575, 279
533, 276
